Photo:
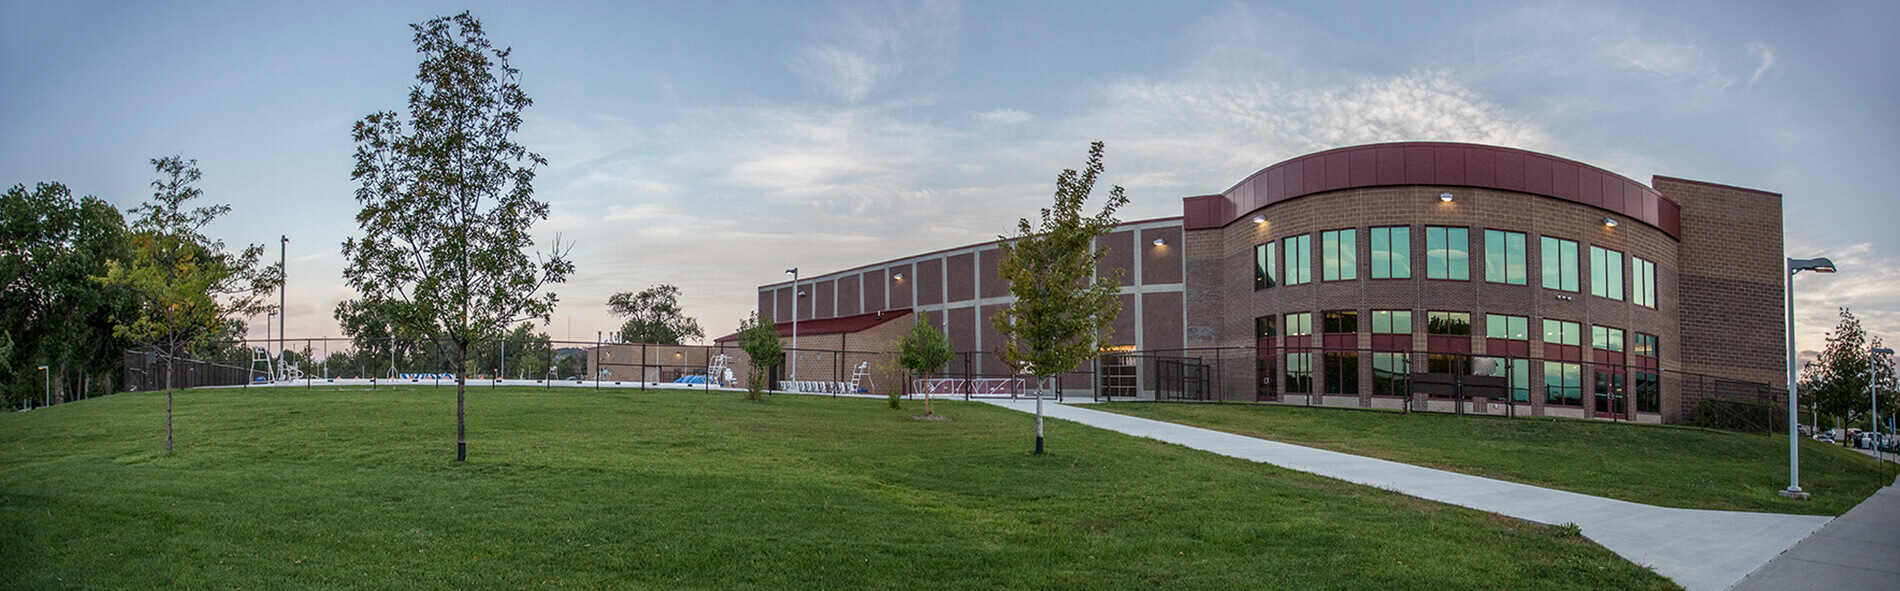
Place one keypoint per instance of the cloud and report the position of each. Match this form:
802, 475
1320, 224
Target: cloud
1765, 53
1868, 284
866, 47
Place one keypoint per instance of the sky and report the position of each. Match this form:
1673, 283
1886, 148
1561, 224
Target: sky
712, 145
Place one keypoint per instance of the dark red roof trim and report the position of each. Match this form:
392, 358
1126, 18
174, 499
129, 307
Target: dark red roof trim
1439, 164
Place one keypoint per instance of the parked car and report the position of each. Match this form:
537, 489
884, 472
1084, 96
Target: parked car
1824, 438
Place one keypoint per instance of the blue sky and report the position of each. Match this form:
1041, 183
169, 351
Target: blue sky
713, 146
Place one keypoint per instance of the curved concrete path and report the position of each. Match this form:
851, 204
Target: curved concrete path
1698, 549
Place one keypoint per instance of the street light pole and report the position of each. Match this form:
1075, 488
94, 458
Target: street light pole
795, 295
1818, 265
48, 374
283, 251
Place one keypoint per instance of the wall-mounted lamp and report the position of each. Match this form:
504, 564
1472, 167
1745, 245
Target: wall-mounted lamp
801, 293
1161, 242
1260, 219
1611, 222
1447, 197
897, 277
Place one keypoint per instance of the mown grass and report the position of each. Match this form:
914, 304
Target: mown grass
343, 488
1654, 464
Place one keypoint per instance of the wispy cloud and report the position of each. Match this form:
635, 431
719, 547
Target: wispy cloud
864, 47
1765, 53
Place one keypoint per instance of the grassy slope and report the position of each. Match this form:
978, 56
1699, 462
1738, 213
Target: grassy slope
623, 489
1658, 465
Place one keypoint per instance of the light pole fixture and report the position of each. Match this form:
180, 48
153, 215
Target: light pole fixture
1818, 265
795, 295
1873, 396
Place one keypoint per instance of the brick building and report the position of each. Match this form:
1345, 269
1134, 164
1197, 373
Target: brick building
1362, 276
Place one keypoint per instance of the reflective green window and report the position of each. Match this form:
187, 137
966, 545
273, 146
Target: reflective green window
1453, 323
1560, 264
1447, 253
1299, 260
1558, 332
1606, 273
1563, 383
1642, 282
1648, 392
1299, 372
1606, 338
1392, 322
1504, 257
1339, 255
1500, 326
1299, 324
1392, 253
1391, 374
1263, 327
1264, 275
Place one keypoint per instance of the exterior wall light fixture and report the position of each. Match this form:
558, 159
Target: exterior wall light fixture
1446, 197
897, 277
1611, 222
1161, 242
1260, 219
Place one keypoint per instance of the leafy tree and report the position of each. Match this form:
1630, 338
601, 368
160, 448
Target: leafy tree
1837, 381
759, 339
188, 286
1060, 317
653, 316
923, 350
521, 352
448, 201
52, 311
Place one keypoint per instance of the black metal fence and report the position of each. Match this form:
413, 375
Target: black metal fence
145, 370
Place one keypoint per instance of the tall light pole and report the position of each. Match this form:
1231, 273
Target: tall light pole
283, 251
270, 359
1873, 396
1818, 265
49, 385
795, 294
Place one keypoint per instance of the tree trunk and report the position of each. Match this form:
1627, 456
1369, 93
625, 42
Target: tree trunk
927, 393
1039, 415
461, 392
168, 405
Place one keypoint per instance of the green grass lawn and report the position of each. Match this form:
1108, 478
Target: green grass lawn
1655, 464
619, 489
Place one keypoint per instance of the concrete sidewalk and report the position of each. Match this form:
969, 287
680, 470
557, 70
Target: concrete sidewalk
1700, 550
1860, 550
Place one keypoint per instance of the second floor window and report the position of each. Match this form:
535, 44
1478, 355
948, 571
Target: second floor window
1339, 255
1299, 259
1606, 273
1447, 253
1392, 253
1560, 264
1504, 257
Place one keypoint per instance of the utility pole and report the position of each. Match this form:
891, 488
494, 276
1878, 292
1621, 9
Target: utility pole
795, 294
283, 251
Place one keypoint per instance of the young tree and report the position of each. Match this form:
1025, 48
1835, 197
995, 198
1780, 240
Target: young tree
923, 350
188, 286
1062, 312
759, 339
1837, 381
448, 201
653, 316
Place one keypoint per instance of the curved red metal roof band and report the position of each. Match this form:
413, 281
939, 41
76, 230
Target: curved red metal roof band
1441, 164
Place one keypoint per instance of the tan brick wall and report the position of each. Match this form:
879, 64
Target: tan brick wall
1734, 316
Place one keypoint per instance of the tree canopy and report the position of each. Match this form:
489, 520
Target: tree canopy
759, 339
923, 350
448, 203
653, 316
52, 310
1837, 380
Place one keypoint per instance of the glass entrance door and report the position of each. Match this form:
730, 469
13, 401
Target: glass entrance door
1611, 401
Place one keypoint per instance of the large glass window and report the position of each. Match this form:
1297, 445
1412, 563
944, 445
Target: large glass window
1642, 282
1648, 392
1339, 255
1299, 324
1447, 253
1263, 327
1342, 372
1264, 275
1500, 326
1342, 322
1448, 323
1645, 345
1391, 322
1391, 374
1504, 257
1563, 384
1606, 273
1558, 332
1299, 372
1516, 374
1299, 259
1392, 253
1606, 338
1560, 264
